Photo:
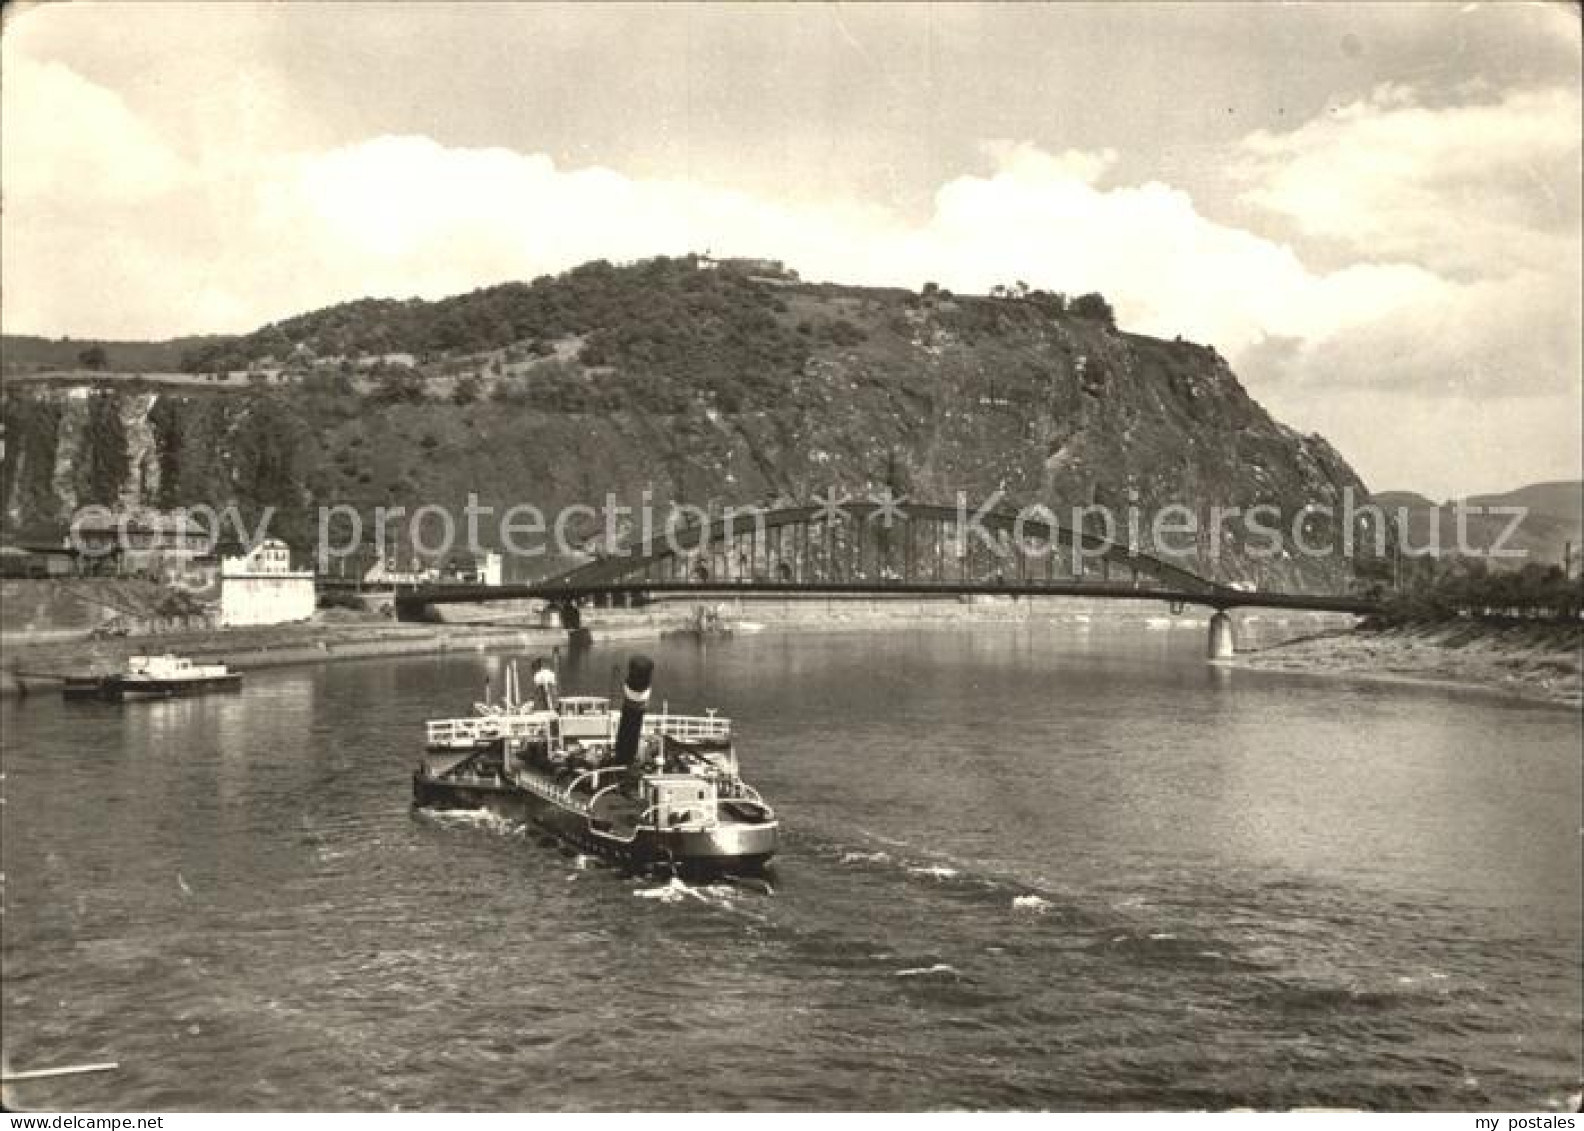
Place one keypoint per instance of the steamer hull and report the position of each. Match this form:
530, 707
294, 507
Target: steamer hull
153, 677
730, 847
119, 690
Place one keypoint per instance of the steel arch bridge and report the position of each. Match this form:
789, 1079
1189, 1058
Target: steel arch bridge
875, 548
878, 545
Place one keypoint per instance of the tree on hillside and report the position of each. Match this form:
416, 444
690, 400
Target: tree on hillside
94, 357
1095, 308
203, 474
32, 432
398, 385
465, 391
104, 465
1053, 304
324, 387
165, 420
268, 443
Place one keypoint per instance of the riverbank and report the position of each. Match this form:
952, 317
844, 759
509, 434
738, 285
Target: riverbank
818, 613
1540, 662
35, 661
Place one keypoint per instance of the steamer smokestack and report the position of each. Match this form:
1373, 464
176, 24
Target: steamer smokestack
635, 701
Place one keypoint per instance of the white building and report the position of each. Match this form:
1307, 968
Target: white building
383, 574
262, 588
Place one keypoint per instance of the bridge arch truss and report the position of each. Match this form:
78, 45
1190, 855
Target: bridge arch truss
876, 544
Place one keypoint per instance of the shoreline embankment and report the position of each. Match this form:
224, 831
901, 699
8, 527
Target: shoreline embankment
37, 666
1535, 661
1527, 660
35, 661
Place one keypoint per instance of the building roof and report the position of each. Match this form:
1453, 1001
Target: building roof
17, 549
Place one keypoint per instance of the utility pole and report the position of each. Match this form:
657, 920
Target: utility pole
1397, 541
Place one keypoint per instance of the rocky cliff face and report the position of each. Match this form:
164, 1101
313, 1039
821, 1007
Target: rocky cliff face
931, 396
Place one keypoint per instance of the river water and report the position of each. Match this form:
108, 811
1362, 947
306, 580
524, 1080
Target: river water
1024, 867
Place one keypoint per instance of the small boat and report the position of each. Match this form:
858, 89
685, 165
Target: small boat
153, 677
648, 791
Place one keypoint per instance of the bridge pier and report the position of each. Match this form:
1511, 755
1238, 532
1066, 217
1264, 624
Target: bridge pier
564, 612
1223, 640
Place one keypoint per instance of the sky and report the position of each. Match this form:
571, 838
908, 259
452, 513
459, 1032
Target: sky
1373, 211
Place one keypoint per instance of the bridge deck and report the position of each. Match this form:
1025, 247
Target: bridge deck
1225, 598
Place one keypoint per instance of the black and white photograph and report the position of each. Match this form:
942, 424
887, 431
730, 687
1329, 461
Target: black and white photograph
736, 557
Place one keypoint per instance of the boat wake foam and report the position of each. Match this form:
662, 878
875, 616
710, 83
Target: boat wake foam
675, 890
926, 865
922, 971
474, 819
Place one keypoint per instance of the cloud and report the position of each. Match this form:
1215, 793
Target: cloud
1482, 197
237, 237
1515, 336
70, 139
1463, 189
1451, 240
1168, 268
1021, 160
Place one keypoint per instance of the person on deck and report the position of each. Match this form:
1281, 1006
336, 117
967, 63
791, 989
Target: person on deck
544, 686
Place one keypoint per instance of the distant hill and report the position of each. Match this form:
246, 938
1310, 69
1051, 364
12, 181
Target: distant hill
1553, 522
22, 354
691, 383
1562, 500
1395, 499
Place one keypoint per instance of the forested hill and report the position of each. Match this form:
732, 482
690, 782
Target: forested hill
696, 382
688, 332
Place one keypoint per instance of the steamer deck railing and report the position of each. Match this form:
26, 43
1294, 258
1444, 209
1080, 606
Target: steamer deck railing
473, 730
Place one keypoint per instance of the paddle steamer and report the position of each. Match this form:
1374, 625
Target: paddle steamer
646, 790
